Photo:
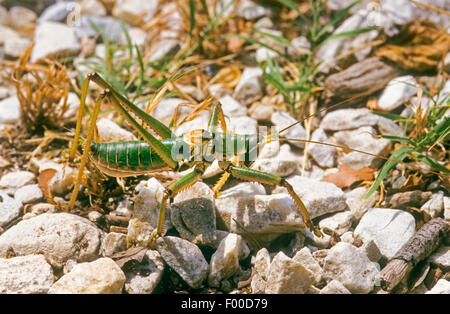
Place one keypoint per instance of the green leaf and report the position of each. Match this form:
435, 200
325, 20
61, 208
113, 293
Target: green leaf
339, 16
431, 162
191, 16
128, 38
388, 115
399, 139
347, 34
280, 39
395, 158
141, 71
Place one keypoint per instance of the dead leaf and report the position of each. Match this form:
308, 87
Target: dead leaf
43, 181
136, 253
420, 46
347, 176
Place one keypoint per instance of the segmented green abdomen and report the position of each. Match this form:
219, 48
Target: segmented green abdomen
130, 155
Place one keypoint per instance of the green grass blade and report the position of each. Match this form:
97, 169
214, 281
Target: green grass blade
399, 139
280, 39
141, 71
128, 38
388, 115
396, 157
347, 34
191, 17
336, 19
431, 162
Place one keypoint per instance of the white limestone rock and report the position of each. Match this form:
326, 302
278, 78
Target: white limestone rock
102, 276
390, 229
30, 274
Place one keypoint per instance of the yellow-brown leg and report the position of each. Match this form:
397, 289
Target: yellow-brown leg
87, 146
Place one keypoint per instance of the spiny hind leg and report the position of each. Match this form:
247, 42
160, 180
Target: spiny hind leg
170, 192
87, 145
267, 178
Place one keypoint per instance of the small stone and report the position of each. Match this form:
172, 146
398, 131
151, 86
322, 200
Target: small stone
16, 179
282, 162
349, 265
265, 216
21, 18
447, 208
73, 103
135, 12
372, 251
242, 125
441, 258
324, 155
184, 258
334, 287
263, 54
348, 237
260, 112
251, 10
94, 216
231, 107
92, 7
16, 46
305, 258
225, 261
166, 107
9, 109
29, 274
109, 25
59, 237
364, 140
58, 12
388, 127
282, 120
10, 209
193, 214
441, 287
357, 202
434, 205
262, 263
319, 197
249, 87
102, 276
390, 229
4, 16
42, 208
113, 242
147, 276
300, 47
164, 48
345, 119
137, 36
398, 91
109, 131
54, 40
7, 33
28, 194
286, 276
146, 211
339, 223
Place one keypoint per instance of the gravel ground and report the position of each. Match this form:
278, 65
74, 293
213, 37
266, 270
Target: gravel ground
251, 238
